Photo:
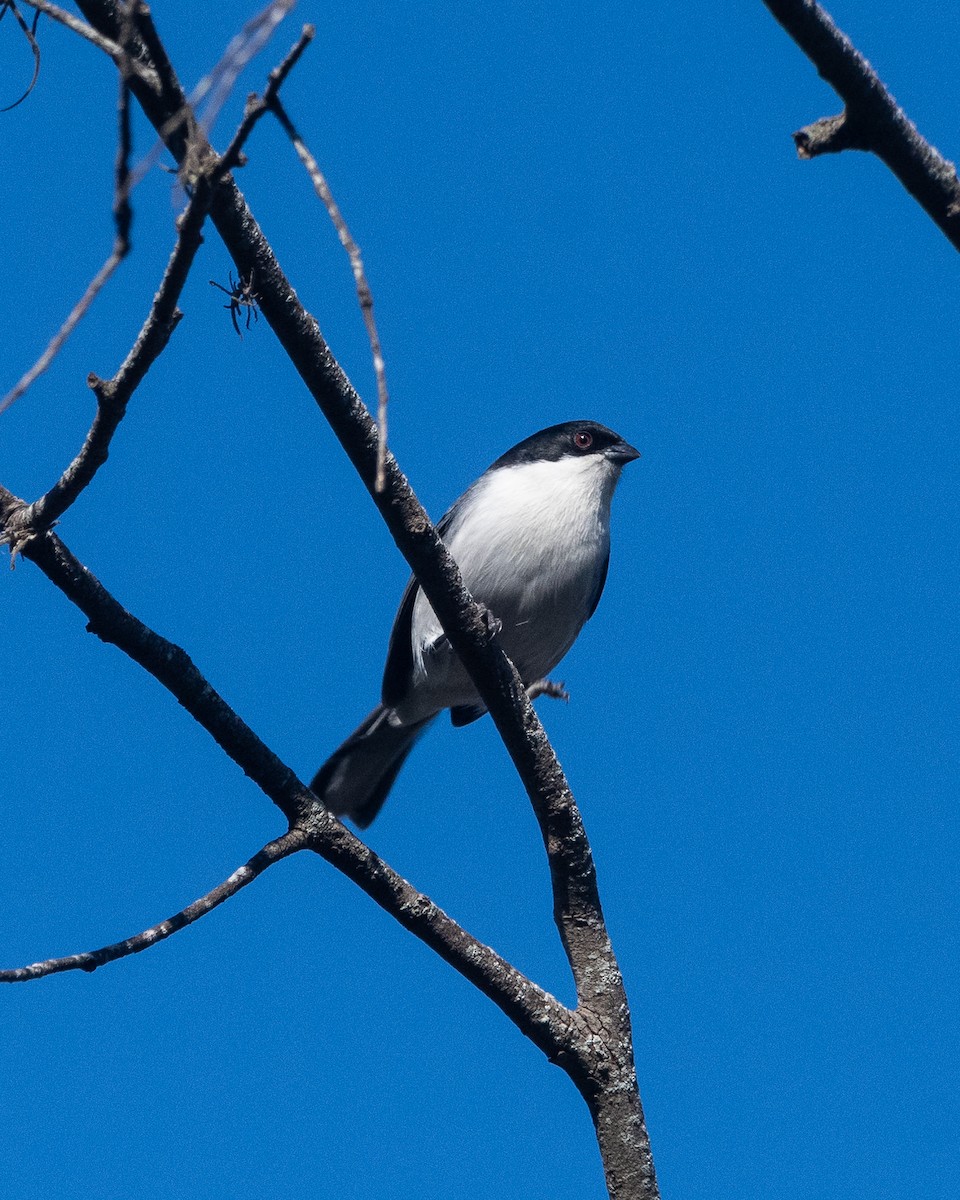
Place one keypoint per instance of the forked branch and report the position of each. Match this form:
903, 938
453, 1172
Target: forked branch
871, 120
539, 1016
90, 960
593, 1044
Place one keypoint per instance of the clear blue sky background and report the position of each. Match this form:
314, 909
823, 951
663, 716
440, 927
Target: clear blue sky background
565, 211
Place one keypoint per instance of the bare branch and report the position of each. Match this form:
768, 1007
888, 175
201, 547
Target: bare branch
212, 92
598, 1056
538, 1014
107, 45
30, 35
113, 395
273, 852
872, 119
122, 218
256, 106
577, 907
364, 294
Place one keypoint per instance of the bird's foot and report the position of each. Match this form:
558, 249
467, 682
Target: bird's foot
547, 687
493, 624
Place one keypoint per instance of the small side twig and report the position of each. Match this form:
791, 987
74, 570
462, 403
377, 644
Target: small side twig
871, 120
257, 106
122, 218
364, 294
211, 92
90, 960
30, 34
114, 394
76, 25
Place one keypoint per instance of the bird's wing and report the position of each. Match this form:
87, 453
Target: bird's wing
601, 580
399, 666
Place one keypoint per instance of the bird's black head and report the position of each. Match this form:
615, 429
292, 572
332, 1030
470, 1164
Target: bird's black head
572, 439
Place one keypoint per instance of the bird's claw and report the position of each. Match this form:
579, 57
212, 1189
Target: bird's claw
492, 623
547, 687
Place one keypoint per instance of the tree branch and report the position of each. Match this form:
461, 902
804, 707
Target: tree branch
122, 219
577, 906
593, 1044
107, 45
271, 853
539, 1015
114, 394
258, 106
872, 120
364, 294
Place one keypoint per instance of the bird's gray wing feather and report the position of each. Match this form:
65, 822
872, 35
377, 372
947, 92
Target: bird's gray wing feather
398, 670
601, 580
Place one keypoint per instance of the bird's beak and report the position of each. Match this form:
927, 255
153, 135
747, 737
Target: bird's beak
621, 452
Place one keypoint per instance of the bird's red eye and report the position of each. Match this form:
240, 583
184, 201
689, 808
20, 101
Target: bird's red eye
583, 439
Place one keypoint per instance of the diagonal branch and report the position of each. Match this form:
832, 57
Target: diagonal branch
598, 1055
30, 35
61, 15
273, 852
577, 908
872, 119
364, 294
114, 394
122, 218
537, 1014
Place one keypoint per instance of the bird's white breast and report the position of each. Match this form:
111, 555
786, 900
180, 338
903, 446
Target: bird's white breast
531, 542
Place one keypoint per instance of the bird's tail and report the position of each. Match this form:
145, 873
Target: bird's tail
356, 779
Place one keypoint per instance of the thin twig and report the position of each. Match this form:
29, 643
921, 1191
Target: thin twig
57, 341
601, 1061
872, 120
539, 1015
364, 294
90, 960
30, 35
114, 394
107, 45
257, 106
122, 217
206, 100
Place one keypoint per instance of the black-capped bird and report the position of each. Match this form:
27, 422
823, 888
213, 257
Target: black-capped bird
532, 540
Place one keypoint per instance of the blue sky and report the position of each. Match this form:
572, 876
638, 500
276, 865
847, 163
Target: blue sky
563, 214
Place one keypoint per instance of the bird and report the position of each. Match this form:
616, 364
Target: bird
531, 537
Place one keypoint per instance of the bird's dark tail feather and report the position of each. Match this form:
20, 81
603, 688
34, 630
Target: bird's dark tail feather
357, 778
